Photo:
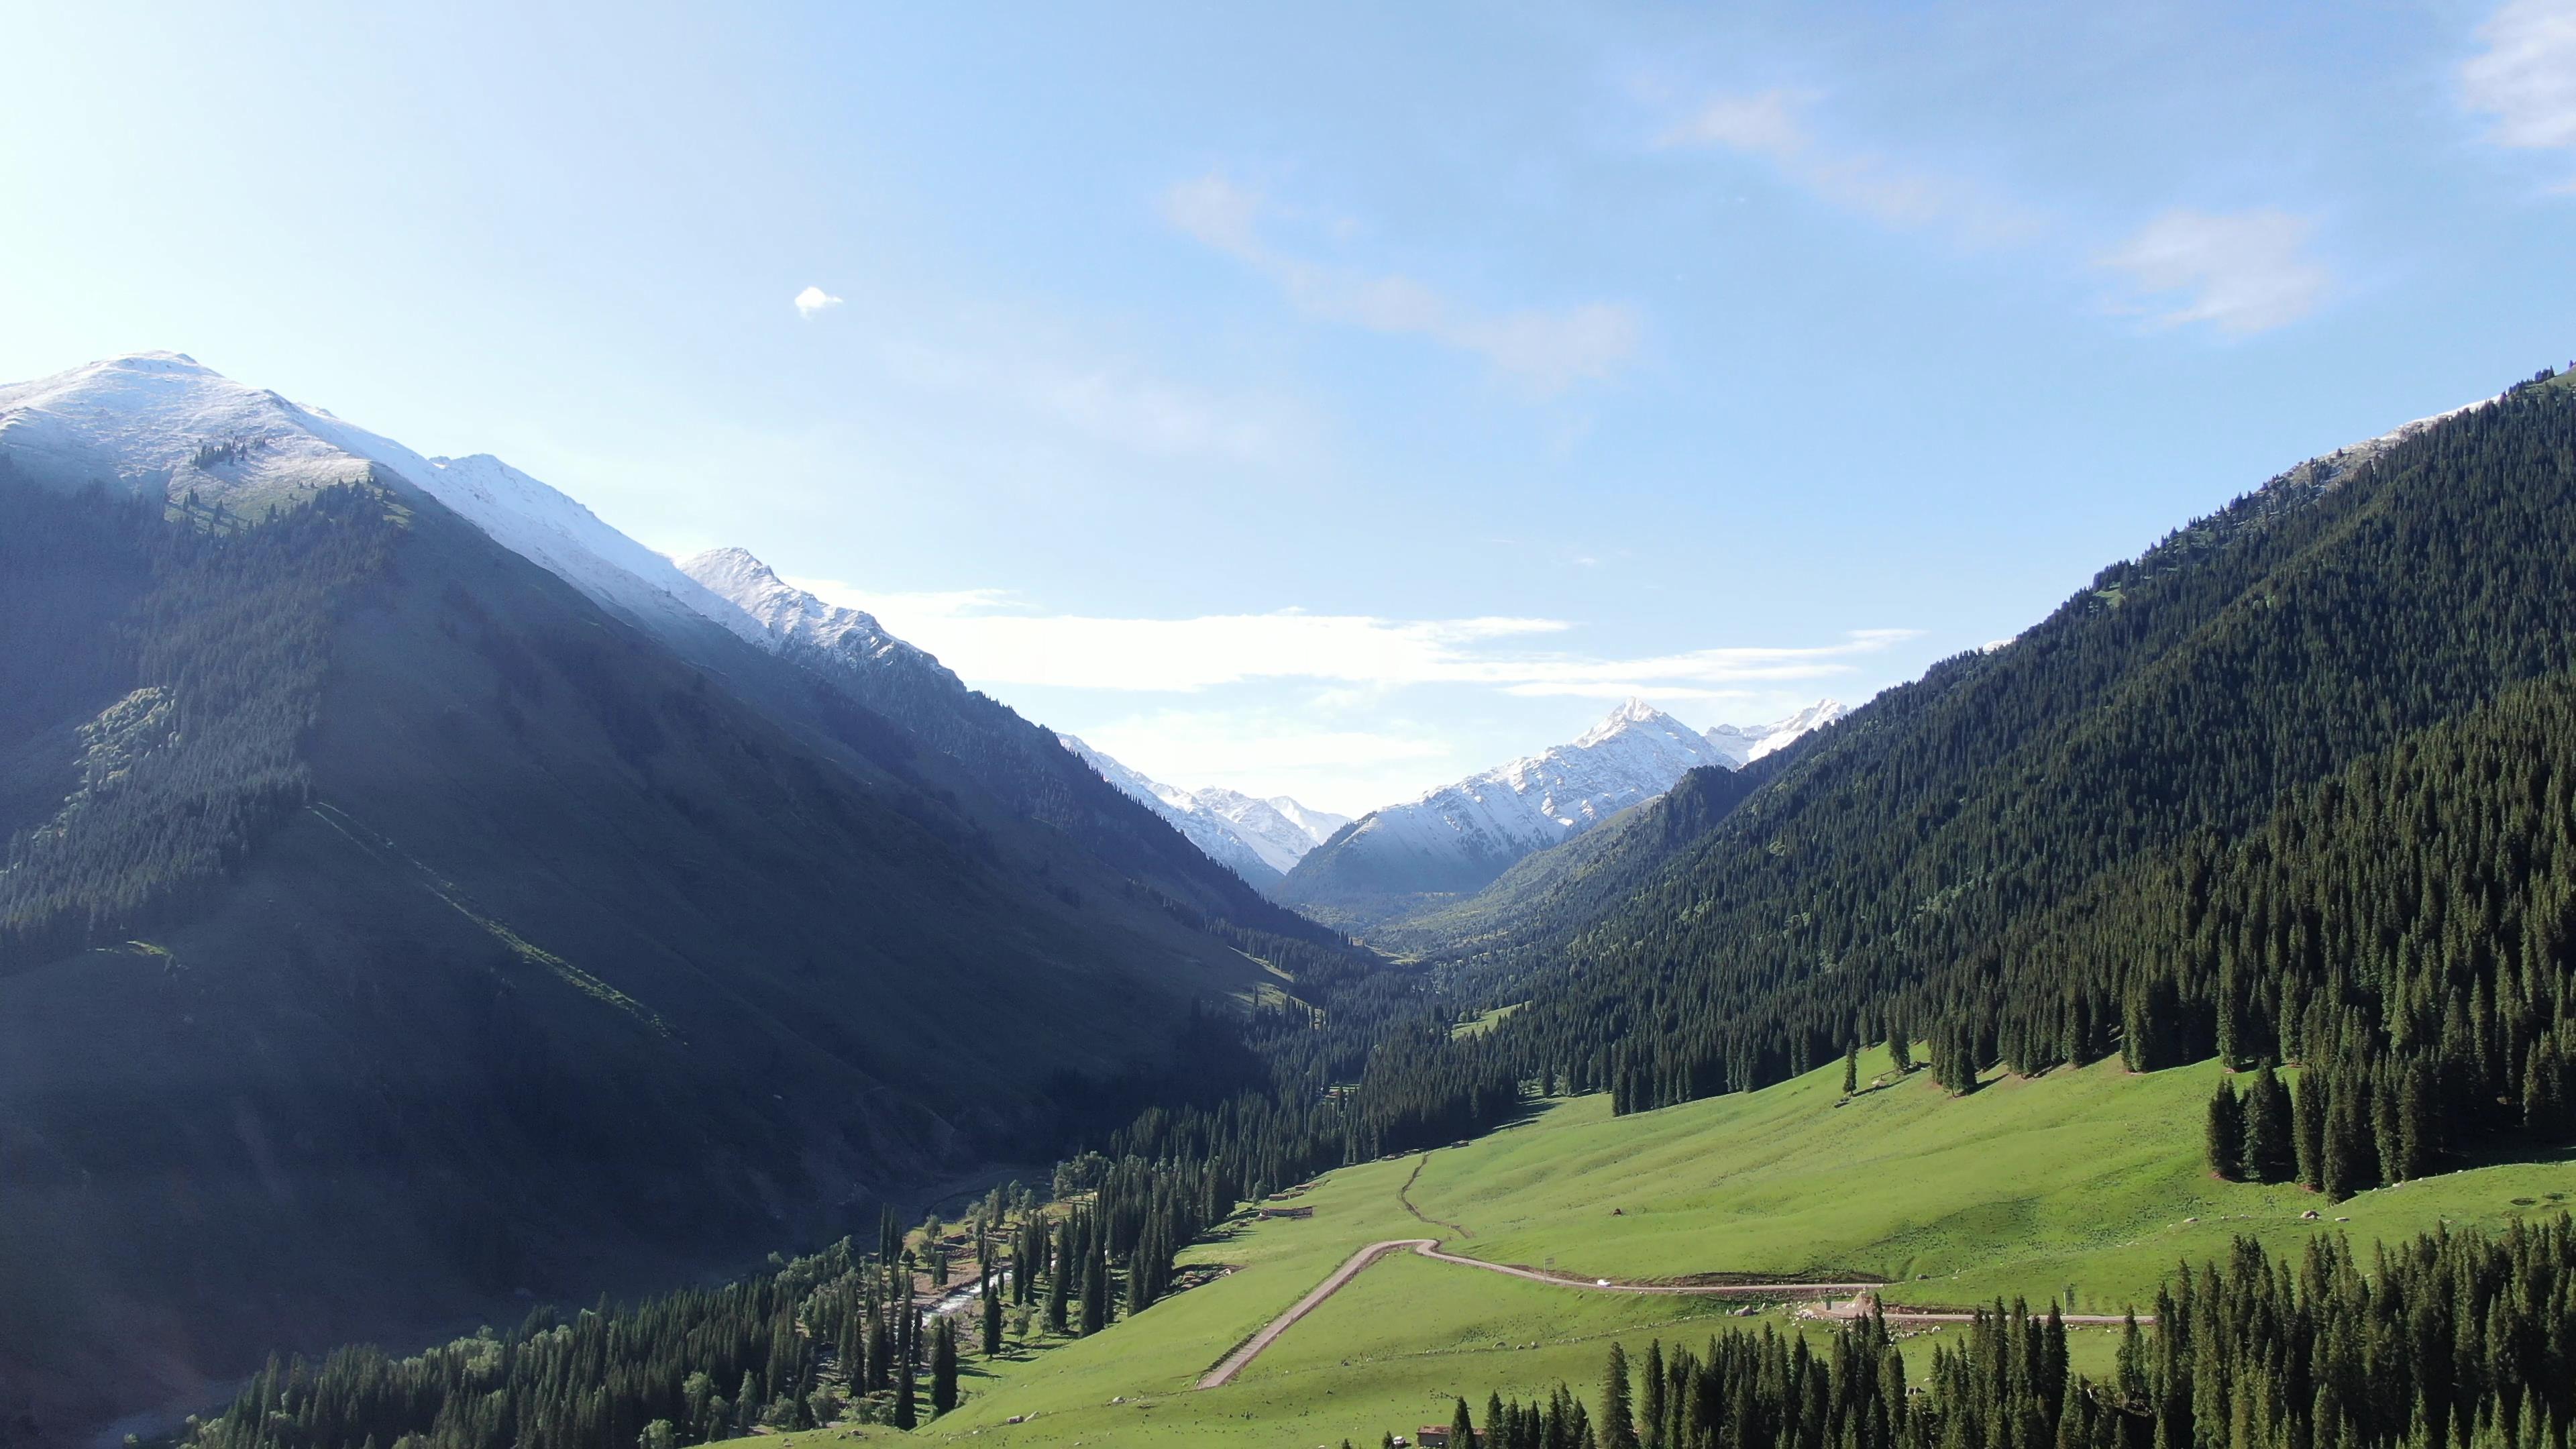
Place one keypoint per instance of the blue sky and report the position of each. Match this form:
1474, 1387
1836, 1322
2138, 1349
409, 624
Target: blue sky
1337, 402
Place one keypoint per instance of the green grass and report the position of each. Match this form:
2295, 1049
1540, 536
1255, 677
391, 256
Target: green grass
1485, 1021
2089, 1178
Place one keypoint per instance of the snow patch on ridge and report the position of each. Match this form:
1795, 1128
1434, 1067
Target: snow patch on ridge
162, 424
1741, 745
1638, 752
1255, 838
787, 614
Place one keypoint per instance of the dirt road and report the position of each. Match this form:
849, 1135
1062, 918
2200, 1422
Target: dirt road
1233, 1363
1858, 1295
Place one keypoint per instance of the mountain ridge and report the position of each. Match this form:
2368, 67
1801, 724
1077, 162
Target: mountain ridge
1457, 839
1260, 840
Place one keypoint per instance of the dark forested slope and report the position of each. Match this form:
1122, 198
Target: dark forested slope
1899, 874
386, 930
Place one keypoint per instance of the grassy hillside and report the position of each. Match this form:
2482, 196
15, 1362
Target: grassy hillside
2090, 1178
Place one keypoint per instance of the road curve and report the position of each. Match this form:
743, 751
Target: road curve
1233, 1363
1251, 1347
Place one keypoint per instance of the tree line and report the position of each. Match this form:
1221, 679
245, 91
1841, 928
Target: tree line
2452, 1341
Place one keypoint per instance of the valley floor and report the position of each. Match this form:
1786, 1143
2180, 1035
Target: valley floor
2084, 1186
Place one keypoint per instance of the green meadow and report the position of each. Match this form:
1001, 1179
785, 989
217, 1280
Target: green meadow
2086, 1182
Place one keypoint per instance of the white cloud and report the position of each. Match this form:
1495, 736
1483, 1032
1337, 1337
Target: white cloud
2242, 273
1547, 349
1772, 127
976, 633
815, 300
2526, 77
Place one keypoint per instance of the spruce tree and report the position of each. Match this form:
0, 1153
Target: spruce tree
2268, 1147
1059, 1278
2307, 1129
1851, 1070
2419, 1129
2338, 1168
2226, 1136
1618, 1420
1899, 1050
992, 1298
2544, 1092
943, 1367
1095, 1293
1650, 1397
1462, 1429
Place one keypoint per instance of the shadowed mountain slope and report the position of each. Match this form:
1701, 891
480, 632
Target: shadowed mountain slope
388, 930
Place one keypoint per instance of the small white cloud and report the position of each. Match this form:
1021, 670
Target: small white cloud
2526, 77
1548, 349
1772, 127
1217, 212
2243, 273
813, 300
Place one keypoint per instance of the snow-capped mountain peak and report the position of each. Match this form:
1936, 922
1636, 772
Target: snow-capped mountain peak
1257, 839
1634, 754
1460, 837
789, 614
1741, 745
162, 424
1634, 716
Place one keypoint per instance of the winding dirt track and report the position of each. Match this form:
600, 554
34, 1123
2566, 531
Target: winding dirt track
1233, 1363
1251, 1348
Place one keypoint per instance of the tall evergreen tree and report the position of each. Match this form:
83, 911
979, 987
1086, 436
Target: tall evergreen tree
1060, 1277
2307, 1131
2225, 1139
907, 1410
2269, 1147
1095, 1292
943, 1367
1650, 1396
1618, 1420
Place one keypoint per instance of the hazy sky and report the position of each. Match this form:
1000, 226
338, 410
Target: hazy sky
1339, 402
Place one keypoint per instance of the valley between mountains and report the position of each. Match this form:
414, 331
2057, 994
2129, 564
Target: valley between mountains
428, 911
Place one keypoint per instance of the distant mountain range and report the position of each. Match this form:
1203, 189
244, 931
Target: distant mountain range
1260, 840
1460, 838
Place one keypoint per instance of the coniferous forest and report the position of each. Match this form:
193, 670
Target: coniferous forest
2460, 1340
2291, 787
201, 645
